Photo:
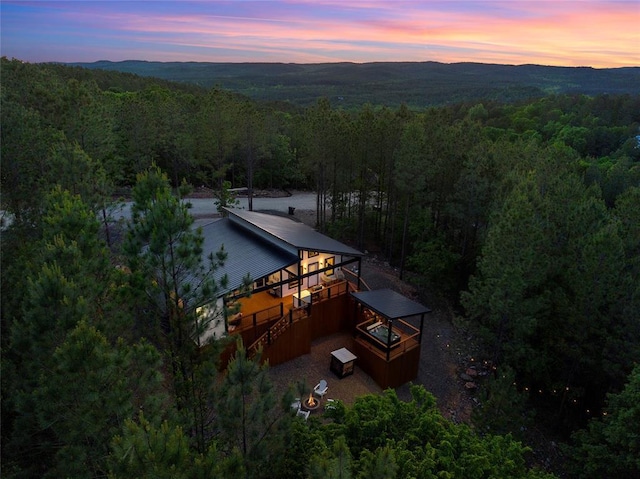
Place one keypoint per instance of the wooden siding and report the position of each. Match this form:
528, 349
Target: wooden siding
393, 366
328, 314
331, 311
401, 368
293, 342
254, 325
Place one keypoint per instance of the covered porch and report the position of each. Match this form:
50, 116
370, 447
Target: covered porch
388, 335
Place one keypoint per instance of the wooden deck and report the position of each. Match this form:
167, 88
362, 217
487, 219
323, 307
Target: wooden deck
264, 318
400, 367
261, 301
286, 333
260, 308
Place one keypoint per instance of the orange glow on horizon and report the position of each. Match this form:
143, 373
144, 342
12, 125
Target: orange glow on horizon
562, 33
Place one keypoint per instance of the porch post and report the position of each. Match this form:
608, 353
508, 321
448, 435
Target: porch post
300, 255
390, 325
355, 315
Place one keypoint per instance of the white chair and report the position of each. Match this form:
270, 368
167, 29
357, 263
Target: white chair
295, 405
304, 414
321, 388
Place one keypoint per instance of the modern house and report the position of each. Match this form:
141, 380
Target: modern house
305, 285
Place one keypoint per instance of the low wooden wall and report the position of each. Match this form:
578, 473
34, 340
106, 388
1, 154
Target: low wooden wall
292, 343
329, 316
401, 368
250, 334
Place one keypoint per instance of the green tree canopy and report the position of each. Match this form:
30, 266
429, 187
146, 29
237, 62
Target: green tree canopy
610, 445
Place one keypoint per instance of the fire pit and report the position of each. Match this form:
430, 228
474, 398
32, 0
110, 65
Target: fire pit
311, 403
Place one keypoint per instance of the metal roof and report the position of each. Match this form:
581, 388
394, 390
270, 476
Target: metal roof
390, 304
246, 253
294, 233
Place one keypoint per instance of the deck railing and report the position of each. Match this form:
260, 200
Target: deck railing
356, 279
338, 288
259, 318
408, 338
276, 329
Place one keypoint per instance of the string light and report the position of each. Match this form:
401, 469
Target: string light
574, 401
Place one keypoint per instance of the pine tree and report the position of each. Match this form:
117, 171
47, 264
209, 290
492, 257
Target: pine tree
549, 295
166, 260
146, 450
87, 392
250, 419
74, 382
610, 445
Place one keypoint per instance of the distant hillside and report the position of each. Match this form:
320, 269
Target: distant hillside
387, 83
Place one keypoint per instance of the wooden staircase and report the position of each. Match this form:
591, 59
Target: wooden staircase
275, 331
291, 323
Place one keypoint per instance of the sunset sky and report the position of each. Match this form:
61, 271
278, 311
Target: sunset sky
547, 32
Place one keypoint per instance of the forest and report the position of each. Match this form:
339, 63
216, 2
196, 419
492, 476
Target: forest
415, 84
522, 216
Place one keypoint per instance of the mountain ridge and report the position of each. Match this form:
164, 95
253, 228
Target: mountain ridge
417, 84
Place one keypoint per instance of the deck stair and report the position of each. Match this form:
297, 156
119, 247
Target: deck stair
275, 331
280, 326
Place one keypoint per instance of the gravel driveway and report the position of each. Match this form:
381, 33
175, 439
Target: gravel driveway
205, 207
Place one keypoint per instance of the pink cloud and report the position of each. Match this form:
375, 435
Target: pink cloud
596, 33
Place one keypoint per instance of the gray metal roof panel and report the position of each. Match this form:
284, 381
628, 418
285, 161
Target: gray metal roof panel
246, 253
294, 233
389, 303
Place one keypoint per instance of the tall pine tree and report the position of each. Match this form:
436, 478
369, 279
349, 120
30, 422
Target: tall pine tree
168, 269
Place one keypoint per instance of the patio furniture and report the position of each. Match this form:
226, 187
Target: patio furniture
304, 414
302, 299
321, 388
276, 292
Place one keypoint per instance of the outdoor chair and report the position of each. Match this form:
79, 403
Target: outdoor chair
304, 414
321, 388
